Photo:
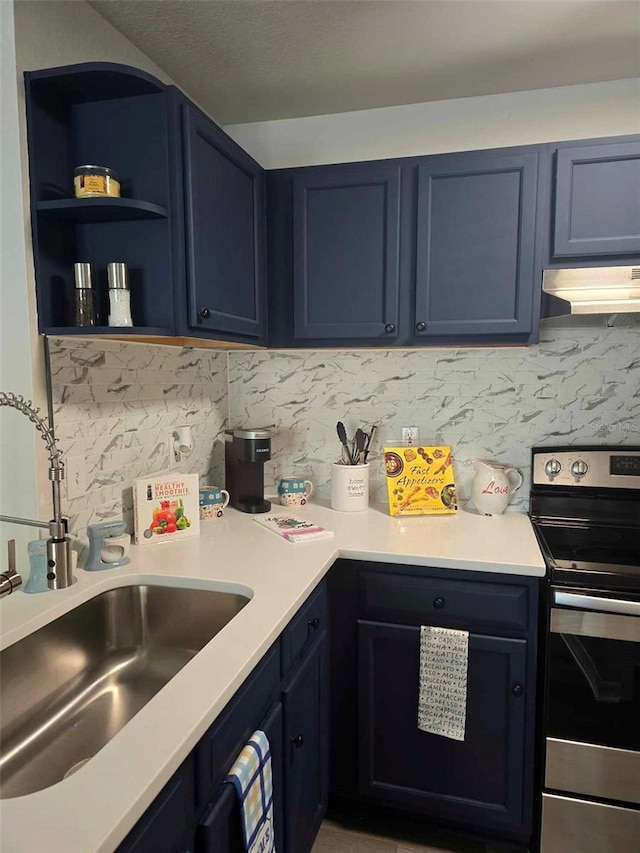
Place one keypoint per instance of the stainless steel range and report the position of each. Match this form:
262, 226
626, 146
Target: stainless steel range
585, 506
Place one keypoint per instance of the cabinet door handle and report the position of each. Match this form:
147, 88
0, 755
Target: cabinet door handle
204, 314
314, 623
517, 690
389, 328
420, 327
298, 741
439, 602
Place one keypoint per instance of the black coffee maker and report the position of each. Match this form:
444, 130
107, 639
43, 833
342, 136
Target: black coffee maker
246, 451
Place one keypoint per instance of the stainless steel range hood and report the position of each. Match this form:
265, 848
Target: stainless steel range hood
591, 292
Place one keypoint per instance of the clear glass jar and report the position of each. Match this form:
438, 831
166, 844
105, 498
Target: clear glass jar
95, 182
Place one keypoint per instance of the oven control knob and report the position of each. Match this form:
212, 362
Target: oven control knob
552, 467
579, 468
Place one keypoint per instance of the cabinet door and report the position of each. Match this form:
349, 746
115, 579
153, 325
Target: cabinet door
346, 225
306, 743
476, 245
224, 201
168, 824
597, 200
479, 781
220, 830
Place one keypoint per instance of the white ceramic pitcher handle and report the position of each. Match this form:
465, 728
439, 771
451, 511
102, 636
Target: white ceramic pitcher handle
225, 495
309, 487
519, 474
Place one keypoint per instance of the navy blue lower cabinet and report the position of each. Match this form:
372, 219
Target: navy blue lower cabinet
224, 207
346, 249
476, 235
220, 829
197, 811
474, 783
168, 824
306, 747
596, 209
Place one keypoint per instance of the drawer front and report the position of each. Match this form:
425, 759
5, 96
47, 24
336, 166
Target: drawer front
580, 825
311, 620
219, 748
413, 600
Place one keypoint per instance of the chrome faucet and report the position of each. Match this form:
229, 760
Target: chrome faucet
59, 565
10, 579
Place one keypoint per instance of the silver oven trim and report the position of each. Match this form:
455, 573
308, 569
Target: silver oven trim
593, 770
594, 602
606, 626
581, 826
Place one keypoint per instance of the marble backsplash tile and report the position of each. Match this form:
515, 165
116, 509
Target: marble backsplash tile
116, 404
575, 386
115, 407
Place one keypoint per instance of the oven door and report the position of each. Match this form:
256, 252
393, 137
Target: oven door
592, 728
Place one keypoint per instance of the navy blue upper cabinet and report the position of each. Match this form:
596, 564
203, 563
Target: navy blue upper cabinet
346, 244
224, 207
597, 200
476, 226
189, 225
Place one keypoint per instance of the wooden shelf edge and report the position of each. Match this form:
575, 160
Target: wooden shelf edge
160, 340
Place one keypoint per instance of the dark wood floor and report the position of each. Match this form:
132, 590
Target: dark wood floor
341, 837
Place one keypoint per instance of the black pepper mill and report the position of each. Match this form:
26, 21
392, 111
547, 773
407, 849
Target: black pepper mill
85, 312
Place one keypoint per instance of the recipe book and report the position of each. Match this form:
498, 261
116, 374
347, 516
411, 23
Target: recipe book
166, 508
293, 529
420, 480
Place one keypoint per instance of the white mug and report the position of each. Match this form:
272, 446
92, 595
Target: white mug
350, 487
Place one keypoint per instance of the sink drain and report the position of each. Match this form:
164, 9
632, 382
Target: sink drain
75, 767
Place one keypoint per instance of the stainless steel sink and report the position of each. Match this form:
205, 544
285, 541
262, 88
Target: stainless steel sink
69, 687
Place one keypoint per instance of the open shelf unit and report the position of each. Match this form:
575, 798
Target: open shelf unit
116, 116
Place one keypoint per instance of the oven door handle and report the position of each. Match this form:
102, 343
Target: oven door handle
593, 616
594, 602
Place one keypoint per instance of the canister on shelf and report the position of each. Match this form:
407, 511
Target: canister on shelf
95, 182
119, 295
84, 301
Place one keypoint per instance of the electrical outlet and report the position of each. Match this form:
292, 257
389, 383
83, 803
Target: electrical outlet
411, 435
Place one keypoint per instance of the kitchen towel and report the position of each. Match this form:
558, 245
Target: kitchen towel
251, 778
442, 700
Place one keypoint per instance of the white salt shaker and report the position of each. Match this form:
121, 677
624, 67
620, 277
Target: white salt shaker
119, 295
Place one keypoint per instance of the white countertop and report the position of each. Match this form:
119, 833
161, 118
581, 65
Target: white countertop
94, 808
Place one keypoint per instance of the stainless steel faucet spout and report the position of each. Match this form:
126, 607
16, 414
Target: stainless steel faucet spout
60, 573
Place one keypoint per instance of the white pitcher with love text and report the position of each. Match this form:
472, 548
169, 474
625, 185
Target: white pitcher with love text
491, 489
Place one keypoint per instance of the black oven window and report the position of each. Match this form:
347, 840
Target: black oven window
594, 691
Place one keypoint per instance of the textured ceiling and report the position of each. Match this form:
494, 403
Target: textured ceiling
254, 60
